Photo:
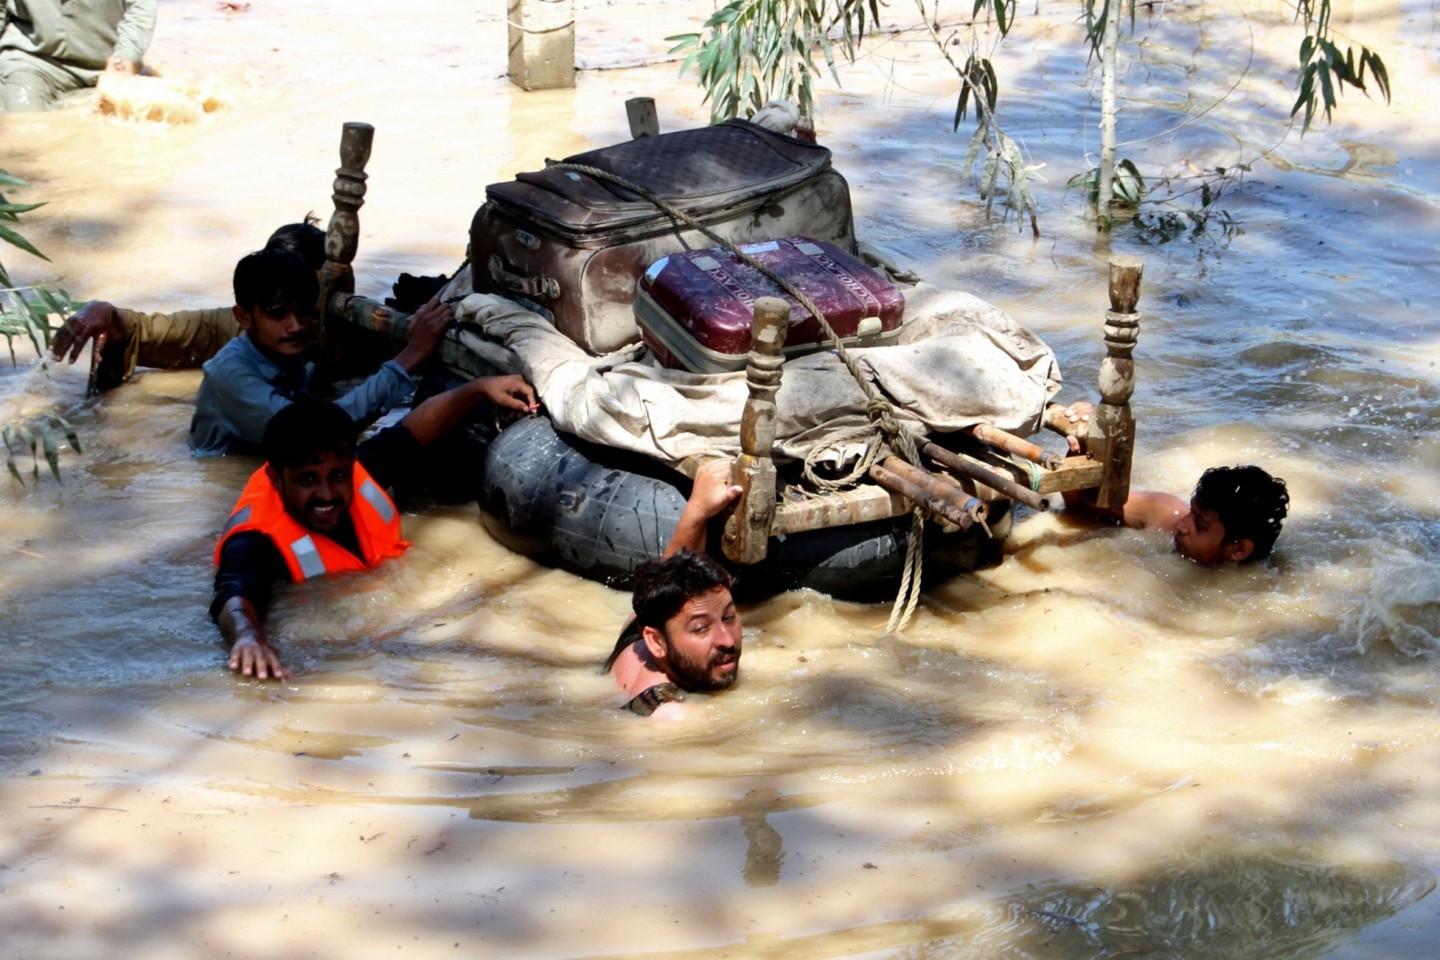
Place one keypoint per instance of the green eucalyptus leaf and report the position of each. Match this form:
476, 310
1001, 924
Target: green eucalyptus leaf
70, 433
16, 208
960, 105
56, 302
1377, 69
52, 450
15, 240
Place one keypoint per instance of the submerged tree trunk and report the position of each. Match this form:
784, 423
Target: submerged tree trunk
1106, 189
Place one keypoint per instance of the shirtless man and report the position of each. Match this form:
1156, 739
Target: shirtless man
684, 636
1234, 515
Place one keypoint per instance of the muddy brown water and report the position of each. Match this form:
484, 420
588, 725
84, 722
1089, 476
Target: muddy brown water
1091, 750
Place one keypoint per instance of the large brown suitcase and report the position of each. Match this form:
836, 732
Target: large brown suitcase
574, 246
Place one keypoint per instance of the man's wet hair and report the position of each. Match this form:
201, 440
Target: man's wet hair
663, 587
304, 239
306, 430
1250, 503
272, 278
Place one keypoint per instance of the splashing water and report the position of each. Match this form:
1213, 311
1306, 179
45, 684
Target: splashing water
1403, 609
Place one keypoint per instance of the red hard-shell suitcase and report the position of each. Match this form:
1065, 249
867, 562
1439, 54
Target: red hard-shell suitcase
574, 246
695, 308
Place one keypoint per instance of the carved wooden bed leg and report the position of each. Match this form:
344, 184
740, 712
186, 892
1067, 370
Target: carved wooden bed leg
342, 239
747, 529
342, 236
1111, 439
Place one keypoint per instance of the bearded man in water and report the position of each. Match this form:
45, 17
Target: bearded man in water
684, 636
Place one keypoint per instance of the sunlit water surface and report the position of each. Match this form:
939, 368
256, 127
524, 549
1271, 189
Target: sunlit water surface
1091, 750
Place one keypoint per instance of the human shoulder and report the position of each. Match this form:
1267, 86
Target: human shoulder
631, 669
248, 563
238, 352
1153, 510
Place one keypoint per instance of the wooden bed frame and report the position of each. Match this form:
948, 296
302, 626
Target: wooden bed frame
953, 490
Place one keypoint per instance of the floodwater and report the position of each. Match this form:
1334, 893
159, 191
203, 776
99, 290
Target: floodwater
1091, 750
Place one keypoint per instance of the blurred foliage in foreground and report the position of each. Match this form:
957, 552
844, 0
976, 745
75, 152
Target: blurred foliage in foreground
34, 313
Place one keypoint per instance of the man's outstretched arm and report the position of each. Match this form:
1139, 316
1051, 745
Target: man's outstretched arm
125, 339
441, 413
1143, 509
250, 653
249, 566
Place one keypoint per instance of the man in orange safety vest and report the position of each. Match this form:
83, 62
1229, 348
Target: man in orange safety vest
318, 506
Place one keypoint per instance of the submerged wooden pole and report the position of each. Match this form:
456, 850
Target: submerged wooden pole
747, 529
643, 120
1111, 440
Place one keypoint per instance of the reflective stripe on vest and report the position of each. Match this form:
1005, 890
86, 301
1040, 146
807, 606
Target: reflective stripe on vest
377, 499
238, 517
311, 564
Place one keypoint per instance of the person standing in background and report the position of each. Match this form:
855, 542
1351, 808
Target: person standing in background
52, 47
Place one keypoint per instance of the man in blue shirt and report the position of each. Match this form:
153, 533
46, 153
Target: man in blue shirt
264, 369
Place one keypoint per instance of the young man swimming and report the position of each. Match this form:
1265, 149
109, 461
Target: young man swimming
1233, 516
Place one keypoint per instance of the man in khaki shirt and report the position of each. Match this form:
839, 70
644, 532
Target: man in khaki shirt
126, 339
51, 47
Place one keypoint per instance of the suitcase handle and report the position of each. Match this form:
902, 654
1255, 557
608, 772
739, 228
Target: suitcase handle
542, 287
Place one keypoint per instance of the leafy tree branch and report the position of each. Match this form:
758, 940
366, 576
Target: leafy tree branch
752, 51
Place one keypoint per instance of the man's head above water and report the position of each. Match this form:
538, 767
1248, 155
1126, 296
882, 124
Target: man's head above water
304, 239
688, 621
275, 294
1235, 516
309, 449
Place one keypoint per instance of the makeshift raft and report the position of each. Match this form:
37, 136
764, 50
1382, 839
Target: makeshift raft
597, 481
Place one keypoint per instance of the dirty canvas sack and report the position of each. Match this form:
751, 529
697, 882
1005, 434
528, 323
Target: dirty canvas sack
575, 246
695, 309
